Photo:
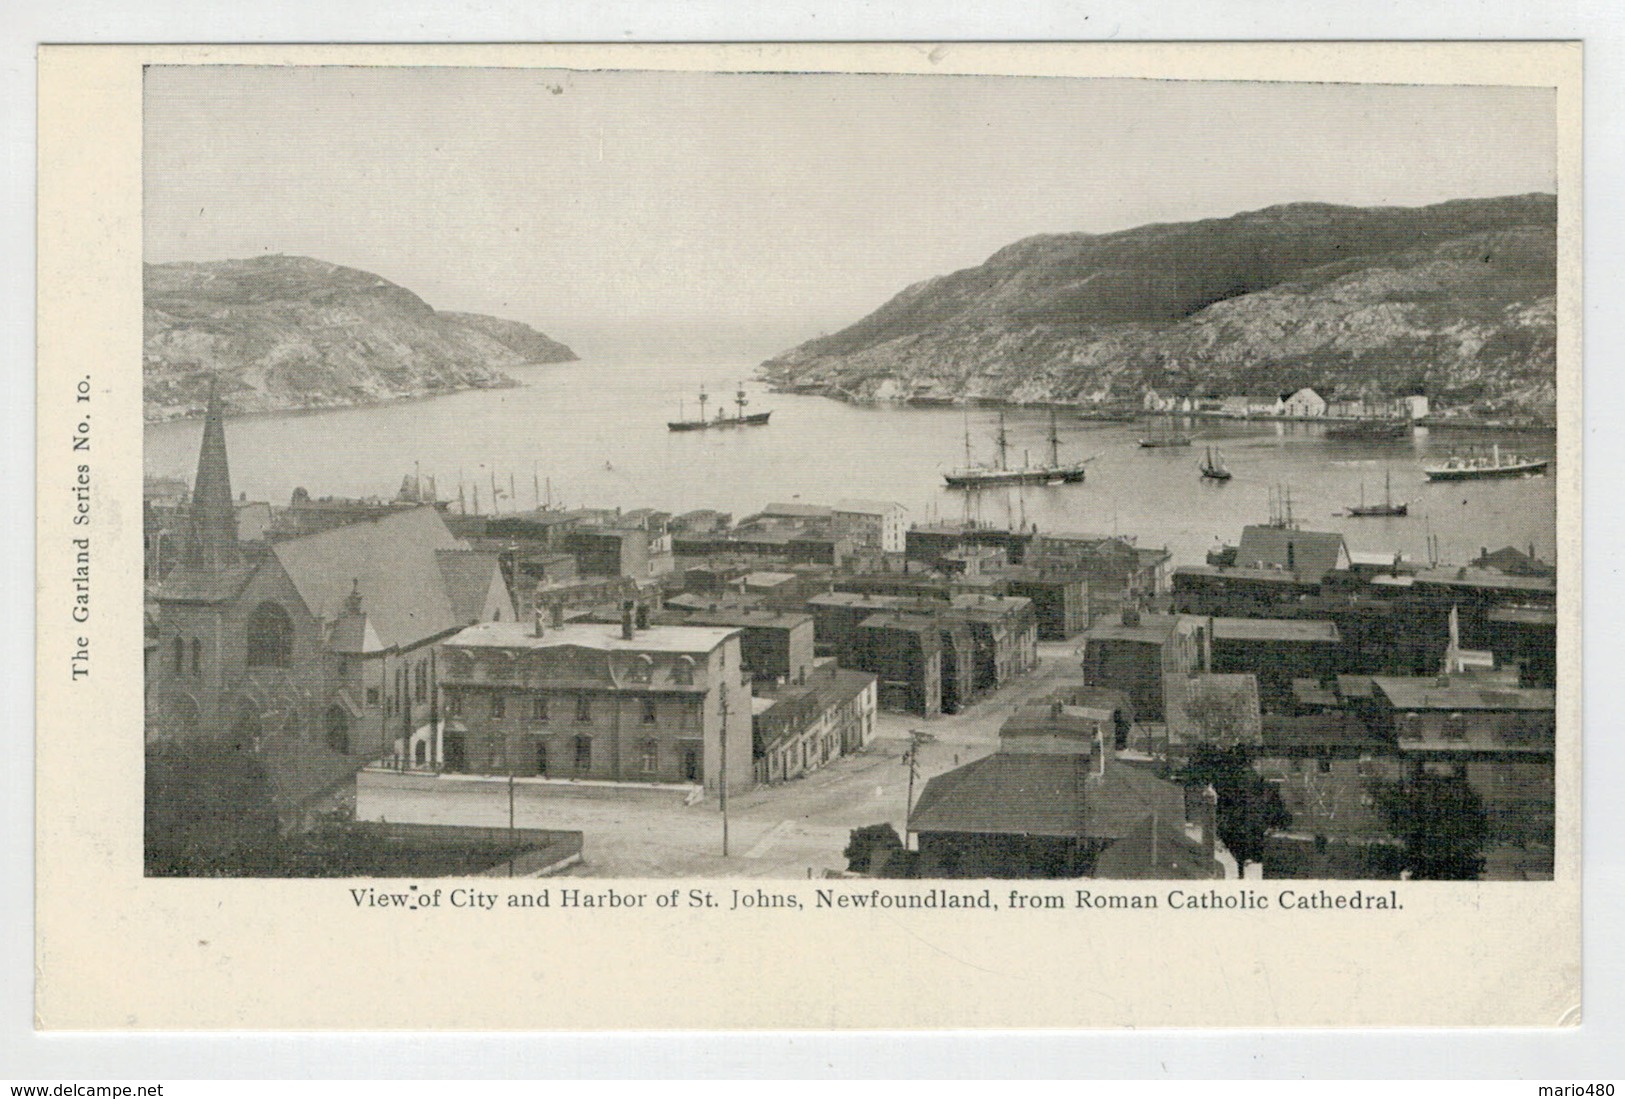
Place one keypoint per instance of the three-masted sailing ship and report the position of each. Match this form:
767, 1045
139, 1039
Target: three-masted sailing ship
1002, 473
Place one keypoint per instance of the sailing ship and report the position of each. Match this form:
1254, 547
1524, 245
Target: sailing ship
1056, 472
1478, 465
1386, 508
1212, 466
721, 419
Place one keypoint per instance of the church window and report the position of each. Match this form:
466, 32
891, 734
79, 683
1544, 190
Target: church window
180, 657
197, 657
270, 637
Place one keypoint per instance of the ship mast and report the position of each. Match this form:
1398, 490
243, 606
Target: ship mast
1004, 441
702, 403
739, 399
1054, 442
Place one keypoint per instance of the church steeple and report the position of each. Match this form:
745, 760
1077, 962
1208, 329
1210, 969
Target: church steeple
211, 543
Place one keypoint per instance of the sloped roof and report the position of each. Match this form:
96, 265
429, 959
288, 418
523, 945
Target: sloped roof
1044, 795
185, 584
468, 575
1157, 849
1274, 629
394, 562
1308, 553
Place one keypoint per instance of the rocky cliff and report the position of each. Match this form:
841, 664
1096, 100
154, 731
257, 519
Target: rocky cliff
1457, 300
287, 332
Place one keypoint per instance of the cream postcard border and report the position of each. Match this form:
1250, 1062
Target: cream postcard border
114, 950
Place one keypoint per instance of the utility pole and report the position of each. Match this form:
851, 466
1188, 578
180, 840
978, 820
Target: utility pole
917, 738
723, 776
513, 833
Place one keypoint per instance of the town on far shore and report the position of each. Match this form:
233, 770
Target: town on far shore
404, 687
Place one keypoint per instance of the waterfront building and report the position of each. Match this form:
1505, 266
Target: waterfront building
1305, 403
870, 528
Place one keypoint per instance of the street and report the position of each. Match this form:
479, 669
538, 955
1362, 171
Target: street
797, 829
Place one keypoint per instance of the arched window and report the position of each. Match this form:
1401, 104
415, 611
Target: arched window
270, 637
197, 657
180, 657
338, 729
683, 672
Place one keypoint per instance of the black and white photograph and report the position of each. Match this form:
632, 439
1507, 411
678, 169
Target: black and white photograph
575, 474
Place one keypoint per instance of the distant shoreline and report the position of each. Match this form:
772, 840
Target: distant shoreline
300, 409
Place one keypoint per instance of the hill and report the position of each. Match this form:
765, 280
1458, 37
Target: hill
1457, 299
286, 332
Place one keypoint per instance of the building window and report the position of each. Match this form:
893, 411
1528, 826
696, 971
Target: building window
1324, 766
499, 705
683, 673
270, 637
538, 709
649, 757
372, 696
583, 753
180, 657
648, 711
422, 677
197, 657
541, 758
691, 763
583, 709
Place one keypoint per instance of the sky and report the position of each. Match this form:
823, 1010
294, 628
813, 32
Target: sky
702, 214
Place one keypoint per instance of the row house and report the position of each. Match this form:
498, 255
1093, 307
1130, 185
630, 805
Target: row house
802, 727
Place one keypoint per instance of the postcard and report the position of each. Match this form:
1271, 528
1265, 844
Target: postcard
791, 536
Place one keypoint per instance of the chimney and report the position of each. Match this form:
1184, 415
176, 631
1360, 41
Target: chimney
539, 627
626, 620
1210, 820
558, 614
643, 616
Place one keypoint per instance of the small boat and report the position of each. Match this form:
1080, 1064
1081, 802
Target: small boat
1369, 430
1213, 467
1056, 472
1479, 466
721, 419
1386, 508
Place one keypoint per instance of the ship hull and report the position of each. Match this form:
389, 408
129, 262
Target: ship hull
1150, 443
976, 478
755, 419
1483, 473
1375, 511
1368, 430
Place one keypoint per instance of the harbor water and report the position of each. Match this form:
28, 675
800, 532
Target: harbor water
594, 434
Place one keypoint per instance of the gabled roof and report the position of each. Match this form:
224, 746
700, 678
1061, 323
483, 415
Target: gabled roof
392, 560
1310, 554
468, 576
868, 507
1044, 795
